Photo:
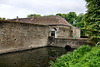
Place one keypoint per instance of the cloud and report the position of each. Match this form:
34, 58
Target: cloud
13, 8
11, 12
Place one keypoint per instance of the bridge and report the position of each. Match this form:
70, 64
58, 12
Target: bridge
67, 42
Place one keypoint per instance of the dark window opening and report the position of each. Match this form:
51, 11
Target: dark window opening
52, 33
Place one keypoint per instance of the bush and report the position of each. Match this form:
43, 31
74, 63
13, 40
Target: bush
82, 49
98, 52
84, 56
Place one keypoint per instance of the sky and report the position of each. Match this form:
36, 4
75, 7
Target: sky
21, 8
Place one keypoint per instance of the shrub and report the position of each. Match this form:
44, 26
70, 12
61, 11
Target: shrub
82, 49
98, 52
84, 56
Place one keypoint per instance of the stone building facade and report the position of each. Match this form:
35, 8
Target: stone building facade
27, 33
58, 26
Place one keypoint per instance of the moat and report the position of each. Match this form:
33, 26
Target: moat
32, 58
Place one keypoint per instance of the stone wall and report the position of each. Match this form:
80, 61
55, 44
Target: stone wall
16, 36
62, 42
76, 32
64, 31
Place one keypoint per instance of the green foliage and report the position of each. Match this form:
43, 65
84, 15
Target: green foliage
81, 50
98, 52
80, 24
35, 15
71, 17
2, 18
92, 20
84, 56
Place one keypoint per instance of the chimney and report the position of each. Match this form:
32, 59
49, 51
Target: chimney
32, 17
17, 18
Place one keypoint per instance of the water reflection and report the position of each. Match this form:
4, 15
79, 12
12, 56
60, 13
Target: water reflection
31, 58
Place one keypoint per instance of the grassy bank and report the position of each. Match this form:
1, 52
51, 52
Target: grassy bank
84, 56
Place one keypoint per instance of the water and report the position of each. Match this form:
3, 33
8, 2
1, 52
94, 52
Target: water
31, 58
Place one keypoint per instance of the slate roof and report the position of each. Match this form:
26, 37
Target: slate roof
44, 20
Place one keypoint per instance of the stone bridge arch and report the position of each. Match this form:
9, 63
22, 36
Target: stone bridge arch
67, 47
65, 43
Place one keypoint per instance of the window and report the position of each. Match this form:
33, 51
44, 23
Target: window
52, 33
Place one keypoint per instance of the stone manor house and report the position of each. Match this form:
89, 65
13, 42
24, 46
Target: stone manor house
58, 27
28, 33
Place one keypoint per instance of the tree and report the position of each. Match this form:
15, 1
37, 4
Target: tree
71, 17
35, 15
2, 18
80, 24
92, 20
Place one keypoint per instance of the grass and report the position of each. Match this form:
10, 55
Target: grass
84, 56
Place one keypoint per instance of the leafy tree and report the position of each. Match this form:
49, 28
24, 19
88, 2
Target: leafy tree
2, 18
59, 14
70, 17
92, 20
80, 24
80, 17
35, 15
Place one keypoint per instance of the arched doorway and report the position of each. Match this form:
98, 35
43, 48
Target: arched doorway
53, 32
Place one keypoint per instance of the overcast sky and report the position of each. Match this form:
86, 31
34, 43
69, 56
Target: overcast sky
21, 8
